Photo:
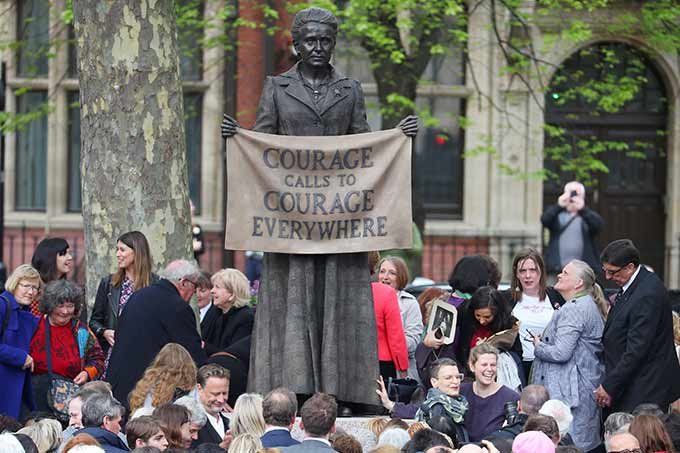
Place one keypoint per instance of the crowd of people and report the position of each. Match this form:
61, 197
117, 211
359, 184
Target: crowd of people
535, 368
549, 365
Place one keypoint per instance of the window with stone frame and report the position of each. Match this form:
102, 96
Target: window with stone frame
31, 67
438, 149
190, 35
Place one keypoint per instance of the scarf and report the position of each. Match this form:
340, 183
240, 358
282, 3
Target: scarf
454, 406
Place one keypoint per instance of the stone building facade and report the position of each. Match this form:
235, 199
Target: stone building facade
471, 204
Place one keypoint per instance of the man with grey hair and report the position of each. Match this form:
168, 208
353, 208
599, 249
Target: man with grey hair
562, 415
617, 423
75, 406
153, 317
101, 418
198, 418
279, 409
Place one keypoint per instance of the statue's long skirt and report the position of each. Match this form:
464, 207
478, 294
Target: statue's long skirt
315, 327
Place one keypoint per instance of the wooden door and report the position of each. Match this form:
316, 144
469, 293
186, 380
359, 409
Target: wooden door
631, 196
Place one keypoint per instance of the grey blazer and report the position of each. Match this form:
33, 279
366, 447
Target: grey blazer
569, 364
309, 446
569, 357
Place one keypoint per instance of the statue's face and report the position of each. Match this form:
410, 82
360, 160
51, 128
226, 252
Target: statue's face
316, 44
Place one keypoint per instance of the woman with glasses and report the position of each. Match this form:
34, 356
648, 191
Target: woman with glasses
74, 352
444, 408
17, 326
568, 355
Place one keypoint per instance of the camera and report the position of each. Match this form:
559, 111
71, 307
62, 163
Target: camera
510, 409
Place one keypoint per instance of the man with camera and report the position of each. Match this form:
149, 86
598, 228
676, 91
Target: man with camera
573, 228
517, 413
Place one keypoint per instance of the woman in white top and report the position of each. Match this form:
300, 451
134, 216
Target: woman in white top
392, 271
534, 302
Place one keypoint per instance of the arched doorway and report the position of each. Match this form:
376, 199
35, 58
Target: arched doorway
631, 196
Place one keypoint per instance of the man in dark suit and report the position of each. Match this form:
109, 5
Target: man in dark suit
279, 409
318, 423
153, 317
207, 312
639, 354
213, 391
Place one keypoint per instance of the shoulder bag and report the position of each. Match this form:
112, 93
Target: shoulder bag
60, 389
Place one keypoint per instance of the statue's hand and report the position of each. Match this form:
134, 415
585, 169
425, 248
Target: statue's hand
229, 126
409, 125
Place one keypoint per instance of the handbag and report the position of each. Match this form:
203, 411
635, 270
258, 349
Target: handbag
401, 390
60, 389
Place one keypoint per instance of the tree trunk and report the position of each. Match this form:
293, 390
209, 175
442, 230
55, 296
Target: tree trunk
133, 159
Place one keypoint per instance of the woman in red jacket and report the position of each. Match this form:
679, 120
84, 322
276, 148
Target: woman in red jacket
392, 352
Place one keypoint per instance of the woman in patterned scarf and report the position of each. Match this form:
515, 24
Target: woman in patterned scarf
444, 408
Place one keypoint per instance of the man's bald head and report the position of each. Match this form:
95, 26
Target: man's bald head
622, 441
532, 399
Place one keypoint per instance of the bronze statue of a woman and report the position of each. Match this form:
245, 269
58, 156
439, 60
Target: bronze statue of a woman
314, 325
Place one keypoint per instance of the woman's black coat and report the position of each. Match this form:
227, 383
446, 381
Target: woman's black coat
232, 326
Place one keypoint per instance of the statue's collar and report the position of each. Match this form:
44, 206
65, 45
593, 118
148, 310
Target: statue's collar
294, 73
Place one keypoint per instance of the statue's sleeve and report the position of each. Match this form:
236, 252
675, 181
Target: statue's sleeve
267, 119
359, 122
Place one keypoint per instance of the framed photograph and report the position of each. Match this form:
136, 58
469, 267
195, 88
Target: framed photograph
443, 319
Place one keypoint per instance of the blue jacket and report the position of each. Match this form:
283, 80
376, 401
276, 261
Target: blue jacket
14, 347
110, 442
278, 438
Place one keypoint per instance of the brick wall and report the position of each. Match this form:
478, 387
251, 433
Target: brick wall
441, 253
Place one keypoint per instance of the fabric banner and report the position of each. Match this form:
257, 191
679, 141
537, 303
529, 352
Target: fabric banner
338, 194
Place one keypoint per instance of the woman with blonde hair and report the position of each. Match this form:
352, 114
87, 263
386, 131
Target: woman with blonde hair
172, 374
568, 354
231, 295
17, 326
245, 443
486, 397
248, 417
45, 433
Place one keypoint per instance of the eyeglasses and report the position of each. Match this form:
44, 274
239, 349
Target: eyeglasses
28, 286
628, 450
610, 272
193, 284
